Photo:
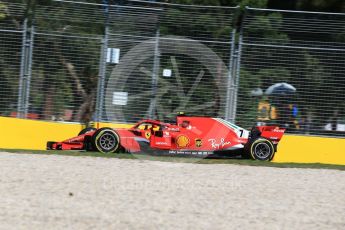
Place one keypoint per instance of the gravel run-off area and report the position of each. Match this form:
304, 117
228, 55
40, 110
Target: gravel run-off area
66, 192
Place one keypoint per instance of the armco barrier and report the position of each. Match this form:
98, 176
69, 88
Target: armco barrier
30, 134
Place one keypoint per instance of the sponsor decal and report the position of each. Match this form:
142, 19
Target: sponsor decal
218, 144
277, 130
182, 141
161, 143
198, 142
199, 153
166, 133
148, 134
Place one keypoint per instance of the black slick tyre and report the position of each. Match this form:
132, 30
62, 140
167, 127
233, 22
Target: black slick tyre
106, 140
50, 145
86, 130
261, 149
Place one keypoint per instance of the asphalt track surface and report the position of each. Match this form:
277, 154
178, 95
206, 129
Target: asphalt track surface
64, 192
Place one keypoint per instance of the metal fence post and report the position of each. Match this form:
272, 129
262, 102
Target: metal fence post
230, 83
237, 68
101, 77
237, 77
155, 74
25, 71
28, 69
102, 67
20, 103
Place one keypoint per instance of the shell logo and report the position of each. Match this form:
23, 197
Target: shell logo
182, 141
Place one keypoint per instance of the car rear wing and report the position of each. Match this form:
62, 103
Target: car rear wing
272, 133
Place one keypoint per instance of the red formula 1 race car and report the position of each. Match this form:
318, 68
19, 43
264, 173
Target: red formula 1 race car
190, 136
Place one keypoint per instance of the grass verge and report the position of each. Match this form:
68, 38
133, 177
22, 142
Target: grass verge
180, 159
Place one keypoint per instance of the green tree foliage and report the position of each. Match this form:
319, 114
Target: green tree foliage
252, 3
2, 11
9, 64
269, 27
321, 5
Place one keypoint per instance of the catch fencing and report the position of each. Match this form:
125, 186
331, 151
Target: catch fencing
124, 62
303, 49
12, 43
77, 61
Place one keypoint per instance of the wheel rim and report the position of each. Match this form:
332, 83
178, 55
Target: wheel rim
107, 141
262, 150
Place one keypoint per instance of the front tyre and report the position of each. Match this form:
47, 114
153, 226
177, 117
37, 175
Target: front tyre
86, 130
106, 140
262, 149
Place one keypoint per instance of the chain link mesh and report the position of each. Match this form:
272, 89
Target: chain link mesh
80, 62
11, 39
302, 55
166, 70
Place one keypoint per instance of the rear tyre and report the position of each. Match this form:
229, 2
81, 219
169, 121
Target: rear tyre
106, 140
261, 149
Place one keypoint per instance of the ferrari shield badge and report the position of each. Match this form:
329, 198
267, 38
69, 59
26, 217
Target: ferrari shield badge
147, 135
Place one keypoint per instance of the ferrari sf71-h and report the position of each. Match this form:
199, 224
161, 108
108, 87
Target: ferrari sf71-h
189, 136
